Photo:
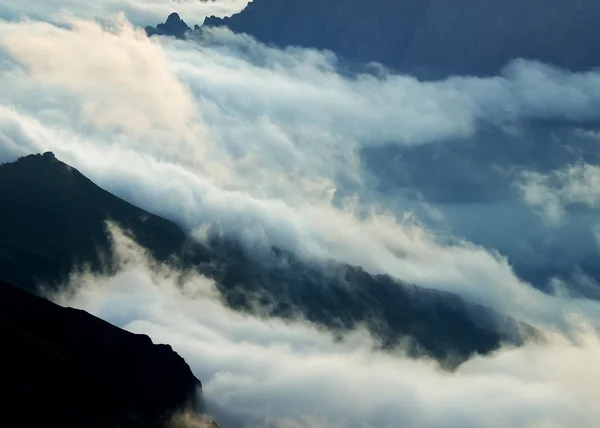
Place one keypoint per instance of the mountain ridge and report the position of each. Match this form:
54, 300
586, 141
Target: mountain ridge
55, 217
434, 38
64, 193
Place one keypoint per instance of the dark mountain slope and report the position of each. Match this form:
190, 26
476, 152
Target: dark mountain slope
432, 37
64, 367
52, 216
173, 26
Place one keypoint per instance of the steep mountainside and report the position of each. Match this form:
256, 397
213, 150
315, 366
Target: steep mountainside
53, 216
64, 367
431, 37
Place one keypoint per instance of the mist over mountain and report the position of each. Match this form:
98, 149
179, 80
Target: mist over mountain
265, 206
55, 218
430, 37
485, 171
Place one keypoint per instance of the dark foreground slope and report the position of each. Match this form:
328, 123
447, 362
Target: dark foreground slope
434, 36
52, 216
64, 367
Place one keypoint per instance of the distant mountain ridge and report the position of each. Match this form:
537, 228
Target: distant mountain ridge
54, 217
173, 26
431, 37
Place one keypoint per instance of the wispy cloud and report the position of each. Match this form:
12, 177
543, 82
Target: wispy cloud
555, 192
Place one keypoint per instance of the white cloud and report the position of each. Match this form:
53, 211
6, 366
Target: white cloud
267, 373
562, 189
372, 110
140, 12
120, 78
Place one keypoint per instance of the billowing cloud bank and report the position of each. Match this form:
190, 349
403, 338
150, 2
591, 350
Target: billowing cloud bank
265, 144
476, 186
266, 373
